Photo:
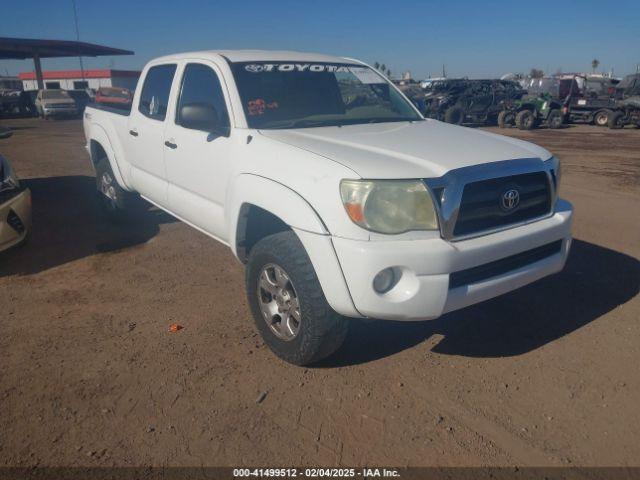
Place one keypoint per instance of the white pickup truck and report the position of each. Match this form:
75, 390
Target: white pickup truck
327, 183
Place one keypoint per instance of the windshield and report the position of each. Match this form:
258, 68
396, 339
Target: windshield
628, 81
55, 94
299, 95
539, 86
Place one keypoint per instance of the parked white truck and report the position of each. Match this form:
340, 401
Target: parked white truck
338, 196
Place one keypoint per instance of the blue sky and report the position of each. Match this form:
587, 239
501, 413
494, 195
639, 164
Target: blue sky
476, 38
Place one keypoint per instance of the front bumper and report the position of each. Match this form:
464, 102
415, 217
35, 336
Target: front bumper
423, 291
15, 220
60, 112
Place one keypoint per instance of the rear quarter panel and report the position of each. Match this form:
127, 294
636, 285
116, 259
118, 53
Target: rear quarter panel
109, 130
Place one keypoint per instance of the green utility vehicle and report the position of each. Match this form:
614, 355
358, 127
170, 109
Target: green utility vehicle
531, 112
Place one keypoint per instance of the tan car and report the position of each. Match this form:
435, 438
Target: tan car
15, 205
55, 103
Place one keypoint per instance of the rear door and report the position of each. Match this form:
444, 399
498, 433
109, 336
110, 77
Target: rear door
198, 160
145, 136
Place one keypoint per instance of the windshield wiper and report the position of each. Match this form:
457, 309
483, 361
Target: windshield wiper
389, 120
305, 123
308, 123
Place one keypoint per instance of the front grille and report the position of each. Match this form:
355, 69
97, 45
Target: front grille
504, 265
480, 206
14, 222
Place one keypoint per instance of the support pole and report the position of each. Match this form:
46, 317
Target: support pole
36, 62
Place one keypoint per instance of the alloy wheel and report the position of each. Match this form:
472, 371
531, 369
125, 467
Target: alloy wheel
279, 303
108, 189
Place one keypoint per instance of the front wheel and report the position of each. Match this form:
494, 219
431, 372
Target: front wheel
506, 119
525, 120
554, 120
288, 304
454, 115
601, 118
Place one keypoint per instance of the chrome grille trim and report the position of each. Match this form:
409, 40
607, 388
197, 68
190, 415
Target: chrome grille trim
447, 191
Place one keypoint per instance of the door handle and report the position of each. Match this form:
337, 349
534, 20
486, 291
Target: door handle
133, 133
171, 145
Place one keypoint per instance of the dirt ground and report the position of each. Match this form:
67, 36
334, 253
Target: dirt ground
547, 375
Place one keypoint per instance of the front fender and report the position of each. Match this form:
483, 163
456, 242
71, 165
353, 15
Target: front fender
297, 213
273, 197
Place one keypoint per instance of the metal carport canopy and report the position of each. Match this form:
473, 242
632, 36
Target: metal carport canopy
23, 48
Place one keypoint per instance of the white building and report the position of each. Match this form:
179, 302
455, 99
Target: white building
74, 80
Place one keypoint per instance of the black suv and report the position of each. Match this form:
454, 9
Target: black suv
627, 103
470, 101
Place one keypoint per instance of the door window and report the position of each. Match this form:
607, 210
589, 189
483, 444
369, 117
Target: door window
201, 86
154, 98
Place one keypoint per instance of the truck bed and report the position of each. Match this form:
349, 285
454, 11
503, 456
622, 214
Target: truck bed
113, 108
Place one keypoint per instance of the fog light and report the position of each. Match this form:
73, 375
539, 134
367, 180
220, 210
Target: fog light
385, 280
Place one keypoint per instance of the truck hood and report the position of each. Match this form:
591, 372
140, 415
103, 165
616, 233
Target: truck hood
406, 150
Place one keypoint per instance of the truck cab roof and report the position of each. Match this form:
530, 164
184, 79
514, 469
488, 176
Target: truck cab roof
258, 56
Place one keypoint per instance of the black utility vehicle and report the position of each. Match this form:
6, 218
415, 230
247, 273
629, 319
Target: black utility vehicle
591, 100
627, 103
470, 101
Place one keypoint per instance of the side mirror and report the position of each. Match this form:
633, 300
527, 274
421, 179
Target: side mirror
200, 116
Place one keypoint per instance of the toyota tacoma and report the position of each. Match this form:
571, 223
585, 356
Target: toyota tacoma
339, 198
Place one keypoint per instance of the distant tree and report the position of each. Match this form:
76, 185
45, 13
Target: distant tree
376, 65
389, 72
383, 68
594, 64
536, 73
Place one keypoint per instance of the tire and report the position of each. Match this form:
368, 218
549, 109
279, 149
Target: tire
454, 115
506, 119
555, 120
27, 238
616, 120
318, 331
115, 201
525, 120
601, 118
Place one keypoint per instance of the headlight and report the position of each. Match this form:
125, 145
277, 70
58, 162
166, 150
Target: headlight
554, 165
8, 179
389, 206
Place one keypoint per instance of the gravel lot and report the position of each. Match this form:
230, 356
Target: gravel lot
547, 375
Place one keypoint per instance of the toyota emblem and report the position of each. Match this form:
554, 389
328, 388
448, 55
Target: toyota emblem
510, 200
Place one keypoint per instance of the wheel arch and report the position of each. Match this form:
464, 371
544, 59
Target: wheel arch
99, 143
259, 207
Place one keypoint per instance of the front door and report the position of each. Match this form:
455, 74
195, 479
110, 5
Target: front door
197, 157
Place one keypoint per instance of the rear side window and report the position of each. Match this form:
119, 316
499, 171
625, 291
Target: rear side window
155, 91
201, 86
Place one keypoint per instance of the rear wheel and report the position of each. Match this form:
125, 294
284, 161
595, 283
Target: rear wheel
114, 200
288, 304
601, 118
454, 115
525, 120
506, 119
616, 120
554, 120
